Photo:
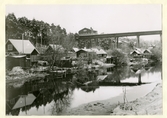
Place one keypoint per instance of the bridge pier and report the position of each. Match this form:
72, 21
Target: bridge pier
117, 41
161, 39
138, 41
97, 42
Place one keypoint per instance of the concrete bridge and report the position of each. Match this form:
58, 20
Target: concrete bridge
117, 35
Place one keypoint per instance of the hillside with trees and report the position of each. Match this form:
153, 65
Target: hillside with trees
38, 32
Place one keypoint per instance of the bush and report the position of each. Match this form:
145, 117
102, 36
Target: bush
156, 54
17, 71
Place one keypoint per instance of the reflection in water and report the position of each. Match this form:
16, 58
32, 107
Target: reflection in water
37, 94
55, 96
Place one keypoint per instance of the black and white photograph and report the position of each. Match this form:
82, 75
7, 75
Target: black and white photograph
83, 59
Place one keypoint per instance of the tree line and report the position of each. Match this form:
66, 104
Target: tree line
38, 32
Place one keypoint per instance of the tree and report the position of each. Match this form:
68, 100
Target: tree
12, 30
69, 41
54, 56
122, 58
57, 34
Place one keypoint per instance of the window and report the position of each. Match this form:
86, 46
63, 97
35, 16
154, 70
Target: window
10, 47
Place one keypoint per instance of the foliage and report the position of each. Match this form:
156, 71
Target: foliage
38, 32
156, 54
122, 58
91, 57
54, 57
69, 41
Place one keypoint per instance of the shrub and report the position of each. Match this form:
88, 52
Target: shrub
156, 54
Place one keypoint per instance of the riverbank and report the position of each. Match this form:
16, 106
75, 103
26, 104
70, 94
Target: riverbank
17, 76
151, 104
147, 101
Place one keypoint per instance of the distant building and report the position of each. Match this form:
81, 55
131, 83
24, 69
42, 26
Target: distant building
86, 31
84, 52
86, 43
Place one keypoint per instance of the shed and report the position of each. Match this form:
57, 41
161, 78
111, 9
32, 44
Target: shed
82, 53
17, 60
99, 52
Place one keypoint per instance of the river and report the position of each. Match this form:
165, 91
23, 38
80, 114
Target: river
52, 95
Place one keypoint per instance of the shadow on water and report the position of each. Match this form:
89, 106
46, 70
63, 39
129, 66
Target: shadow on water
59, 93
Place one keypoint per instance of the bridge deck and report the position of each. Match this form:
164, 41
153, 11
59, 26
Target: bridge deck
120, 34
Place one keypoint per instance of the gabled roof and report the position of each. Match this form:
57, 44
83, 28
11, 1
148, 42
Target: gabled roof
96, 50
147, 50
76, 49
137, 50
56, 47
99, 51
18, 44
85, 29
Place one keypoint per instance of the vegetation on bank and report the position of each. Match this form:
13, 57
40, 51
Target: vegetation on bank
19, 76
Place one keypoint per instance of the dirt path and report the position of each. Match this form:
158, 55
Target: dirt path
150, 102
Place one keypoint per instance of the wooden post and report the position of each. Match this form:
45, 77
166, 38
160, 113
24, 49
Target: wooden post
25, 104
139, 79
23, 43
138, 41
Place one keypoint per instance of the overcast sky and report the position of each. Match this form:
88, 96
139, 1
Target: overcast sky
103, 18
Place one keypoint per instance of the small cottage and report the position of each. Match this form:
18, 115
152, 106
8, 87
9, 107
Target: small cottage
100, 52
137, 53
147, 53
16, 48
84, 53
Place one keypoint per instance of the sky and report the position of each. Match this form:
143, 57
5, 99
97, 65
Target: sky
109, 18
